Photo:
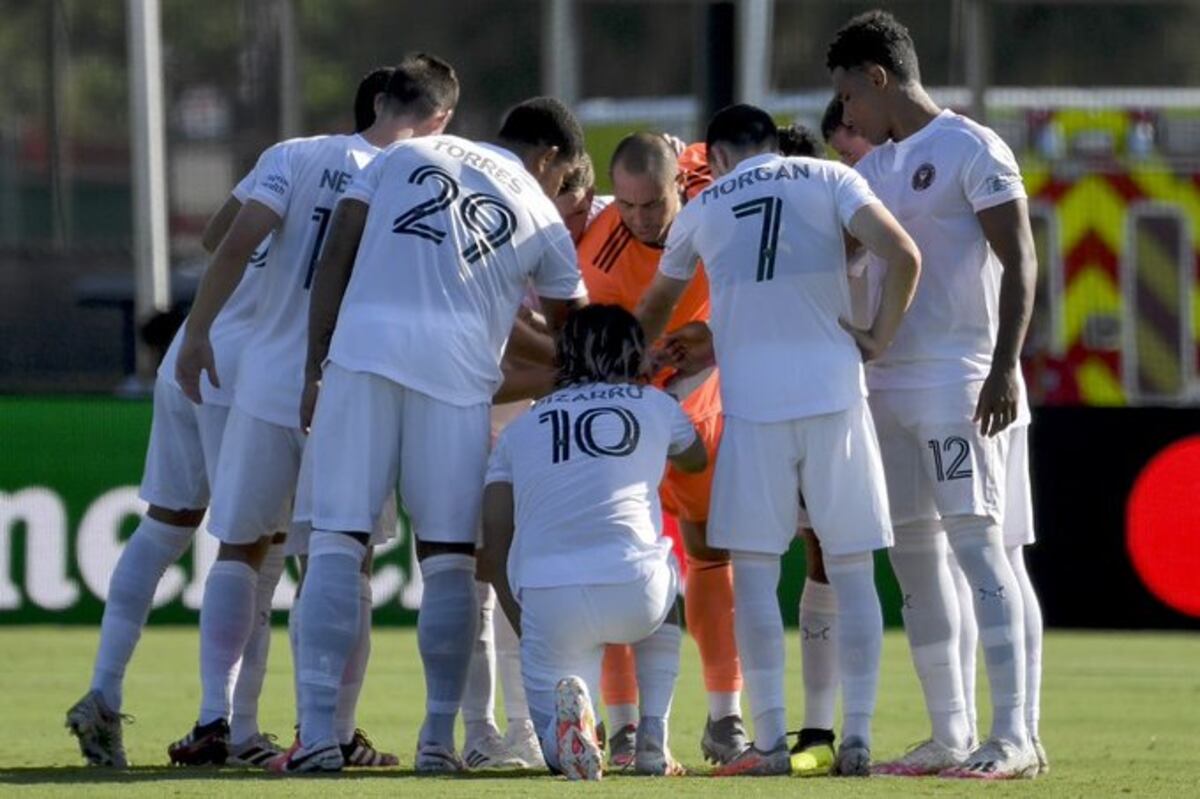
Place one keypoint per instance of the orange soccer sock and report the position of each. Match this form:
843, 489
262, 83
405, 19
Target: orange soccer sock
618, 676
709, 614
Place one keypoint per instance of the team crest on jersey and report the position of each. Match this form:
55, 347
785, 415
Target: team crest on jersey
923, 177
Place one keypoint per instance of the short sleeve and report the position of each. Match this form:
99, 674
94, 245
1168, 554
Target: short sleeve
850, 192
499, 468
992, 177
683, 432
679, 258
556, 275
273, 179
364, 186
241, 192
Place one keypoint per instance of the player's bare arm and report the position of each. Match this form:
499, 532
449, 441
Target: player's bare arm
1007, 230
498, 508
688, 349
693, 459
657, 304
879, 232
219, 224
251, 225
527, 343
557, 311
329, 286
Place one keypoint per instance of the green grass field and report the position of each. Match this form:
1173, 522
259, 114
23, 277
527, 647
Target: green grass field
1121, 715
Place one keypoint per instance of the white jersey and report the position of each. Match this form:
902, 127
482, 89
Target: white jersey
455, 234
935, 182
232, 325
300, 180
585, 464
770, 236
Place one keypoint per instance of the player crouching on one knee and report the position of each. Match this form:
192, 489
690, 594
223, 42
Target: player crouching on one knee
573, 540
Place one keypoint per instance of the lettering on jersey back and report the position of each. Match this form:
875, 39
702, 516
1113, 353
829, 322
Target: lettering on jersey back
335, 179
480, 163
631, 391
786, 171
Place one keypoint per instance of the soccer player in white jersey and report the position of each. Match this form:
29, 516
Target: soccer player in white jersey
411, 371
770, 231
298, 182
948, 398
573, 541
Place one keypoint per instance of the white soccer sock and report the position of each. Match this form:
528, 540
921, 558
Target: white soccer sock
246, 691
153, 547
919, 561
446, 637
657, 660
859, 639
999, 611
968, 640
294, 644
329, 627
759, 629
1034, 632
226, 621
508, 669
818, 648
345, 716
621, 716
479, 698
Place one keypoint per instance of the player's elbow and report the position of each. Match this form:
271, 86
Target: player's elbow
693, 459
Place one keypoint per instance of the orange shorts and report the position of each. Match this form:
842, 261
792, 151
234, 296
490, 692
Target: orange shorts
687, 495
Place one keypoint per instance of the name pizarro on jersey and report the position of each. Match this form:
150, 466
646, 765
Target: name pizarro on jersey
631, 391
761, 174
482, 163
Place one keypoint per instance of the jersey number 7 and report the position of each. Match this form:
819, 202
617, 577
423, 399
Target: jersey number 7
771, 209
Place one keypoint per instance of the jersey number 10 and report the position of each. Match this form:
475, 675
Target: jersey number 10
585, 435
490, 222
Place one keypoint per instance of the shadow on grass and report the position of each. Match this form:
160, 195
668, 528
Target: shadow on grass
71, 775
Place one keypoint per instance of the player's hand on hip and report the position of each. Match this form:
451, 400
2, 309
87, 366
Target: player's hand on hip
308, 403
689, 349
195, 357
867, 345
999, 400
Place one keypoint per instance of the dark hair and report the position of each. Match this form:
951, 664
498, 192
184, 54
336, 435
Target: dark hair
599, 344
645, 153
422, 85
583, 176
742, 126
544, 122
373, 83
831, 120
797, 139
875, 37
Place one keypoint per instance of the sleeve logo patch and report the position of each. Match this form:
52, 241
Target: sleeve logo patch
1002, 182
276, 183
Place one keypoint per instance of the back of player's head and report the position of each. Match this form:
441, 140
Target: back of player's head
600, 344
875, 37
422, 85
831, 120
543, 122
797, 139
581, 178
646, 154
742, 127
372, 84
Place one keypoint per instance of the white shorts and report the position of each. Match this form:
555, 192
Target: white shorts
564, 630
256, 479
369, 431
937, 461
763, 466
1018, 491
301, 528
185, 441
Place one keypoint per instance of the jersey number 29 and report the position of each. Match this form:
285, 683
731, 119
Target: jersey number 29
490, 222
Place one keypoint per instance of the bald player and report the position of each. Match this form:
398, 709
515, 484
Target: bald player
619, 256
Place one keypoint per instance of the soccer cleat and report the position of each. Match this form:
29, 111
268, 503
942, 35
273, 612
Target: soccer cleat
926, 758
361, 753
205, 745
996, 759
98, 728
579, 756
257, 751
723, 740
622, 747
853, 759
488, 752
1042, 759
319, 759
754, 763
434, 758
655, 760
813, 756
522, 740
